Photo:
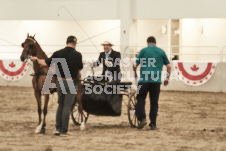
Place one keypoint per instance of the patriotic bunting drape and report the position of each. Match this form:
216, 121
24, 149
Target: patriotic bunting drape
194, 73
13, 70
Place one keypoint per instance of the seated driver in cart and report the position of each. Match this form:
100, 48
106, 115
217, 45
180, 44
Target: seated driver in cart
111, 62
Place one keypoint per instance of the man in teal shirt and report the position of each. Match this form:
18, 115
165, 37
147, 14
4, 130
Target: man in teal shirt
151, 60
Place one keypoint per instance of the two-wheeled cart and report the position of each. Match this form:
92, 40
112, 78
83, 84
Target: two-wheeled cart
103, 98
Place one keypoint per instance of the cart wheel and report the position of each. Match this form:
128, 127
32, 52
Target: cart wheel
77, 116
131, 110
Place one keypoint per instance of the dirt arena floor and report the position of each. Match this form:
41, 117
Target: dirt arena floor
187, 121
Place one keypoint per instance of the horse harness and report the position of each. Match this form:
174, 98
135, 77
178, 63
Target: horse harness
29, 52
37, 75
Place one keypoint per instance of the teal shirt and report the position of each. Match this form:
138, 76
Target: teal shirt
151, 60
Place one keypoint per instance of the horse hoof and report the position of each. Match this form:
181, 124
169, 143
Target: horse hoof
38, 128
43, 131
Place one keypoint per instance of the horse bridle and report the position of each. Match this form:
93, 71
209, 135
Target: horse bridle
31, 45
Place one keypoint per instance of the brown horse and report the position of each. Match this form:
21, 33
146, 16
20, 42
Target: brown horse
32, 48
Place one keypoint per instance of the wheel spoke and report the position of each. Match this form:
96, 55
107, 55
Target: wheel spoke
135, 121
135, 118
132, 111
133, 115
76, 114
77, 117
134, 101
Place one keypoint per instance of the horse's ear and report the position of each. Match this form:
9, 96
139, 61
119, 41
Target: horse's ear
34, 36
27, 35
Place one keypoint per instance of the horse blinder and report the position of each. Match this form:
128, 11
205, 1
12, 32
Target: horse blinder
31, 44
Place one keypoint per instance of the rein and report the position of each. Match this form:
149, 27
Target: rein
38, 74
29, 56
29, 52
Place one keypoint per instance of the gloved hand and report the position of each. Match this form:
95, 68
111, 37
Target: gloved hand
108, 63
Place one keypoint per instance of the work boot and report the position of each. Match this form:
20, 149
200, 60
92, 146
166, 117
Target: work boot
152, 126
57, 132
142, 124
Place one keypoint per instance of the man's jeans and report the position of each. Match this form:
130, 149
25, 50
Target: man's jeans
65, 102
154, 90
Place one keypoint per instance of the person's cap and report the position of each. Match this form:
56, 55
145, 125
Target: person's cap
71, 39
107, 43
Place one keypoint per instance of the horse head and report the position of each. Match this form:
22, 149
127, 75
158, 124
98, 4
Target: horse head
28, 48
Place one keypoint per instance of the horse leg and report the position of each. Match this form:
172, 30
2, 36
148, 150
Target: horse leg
38, 99
45, 112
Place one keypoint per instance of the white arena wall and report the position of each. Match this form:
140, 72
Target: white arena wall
51, 35
126, 23
215, 84
199, 39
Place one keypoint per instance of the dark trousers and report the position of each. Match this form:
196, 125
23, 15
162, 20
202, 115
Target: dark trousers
65, 102
154, 90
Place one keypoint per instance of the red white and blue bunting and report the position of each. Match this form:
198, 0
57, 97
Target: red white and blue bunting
13, 70
194, 73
